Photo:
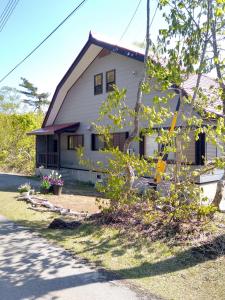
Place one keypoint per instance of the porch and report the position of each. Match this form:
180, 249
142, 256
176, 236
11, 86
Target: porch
48, 144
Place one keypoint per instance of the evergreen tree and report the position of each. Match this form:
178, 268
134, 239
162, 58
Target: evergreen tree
33, 98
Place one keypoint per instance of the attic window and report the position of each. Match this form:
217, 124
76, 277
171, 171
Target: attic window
98, 84
110, 80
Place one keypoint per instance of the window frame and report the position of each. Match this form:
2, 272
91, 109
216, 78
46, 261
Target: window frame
109, 84
93, 142
96, 91
71, 136
126, 133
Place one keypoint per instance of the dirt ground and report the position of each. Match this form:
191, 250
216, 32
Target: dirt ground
75, 202
78, 197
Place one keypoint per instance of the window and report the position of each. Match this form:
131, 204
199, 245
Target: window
150, 145
152, 148
118, 139
98, 84
97, 142
75, 141
110, 80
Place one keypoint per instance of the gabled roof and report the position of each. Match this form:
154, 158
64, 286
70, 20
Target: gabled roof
89, 52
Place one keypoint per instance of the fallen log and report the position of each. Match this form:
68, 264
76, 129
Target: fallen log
37, 202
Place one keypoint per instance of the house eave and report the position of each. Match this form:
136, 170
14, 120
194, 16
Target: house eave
90, 51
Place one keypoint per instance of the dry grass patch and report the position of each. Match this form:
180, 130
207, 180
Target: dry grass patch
171, 272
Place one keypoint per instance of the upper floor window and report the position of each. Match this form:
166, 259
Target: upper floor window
98, 84
110, 80
75, 141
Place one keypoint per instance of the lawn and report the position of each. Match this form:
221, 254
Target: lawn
169, 272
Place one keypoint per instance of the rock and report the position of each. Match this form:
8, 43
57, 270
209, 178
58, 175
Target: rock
60, 224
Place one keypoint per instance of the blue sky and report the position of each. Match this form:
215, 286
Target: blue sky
34, 20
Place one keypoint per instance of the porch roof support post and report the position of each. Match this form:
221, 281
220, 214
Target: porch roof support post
59, 151
36, 151
46, 151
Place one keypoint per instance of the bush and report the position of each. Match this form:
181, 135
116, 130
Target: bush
26, 187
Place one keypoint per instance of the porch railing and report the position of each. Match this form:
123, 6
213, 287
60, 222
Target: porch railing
49, 159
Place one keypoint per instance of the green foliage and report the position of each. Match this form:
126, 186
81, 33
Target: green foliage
17, 149
26, 187
183, 49
45, 183
9, 100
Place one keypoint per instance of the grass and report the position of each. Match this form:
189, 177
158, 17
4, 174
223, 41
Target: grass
171, 273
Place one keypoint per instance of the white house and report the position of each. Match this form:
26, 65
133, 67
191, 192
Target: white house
76, 103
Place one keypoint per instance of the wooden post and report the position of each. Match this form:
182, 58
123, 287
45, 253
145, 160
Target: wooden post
59, 152
46, 151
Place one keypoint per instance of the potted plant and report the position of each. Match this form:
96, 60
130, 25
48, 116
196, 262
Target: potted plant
57, 186
45, 185
24, 189
57, 182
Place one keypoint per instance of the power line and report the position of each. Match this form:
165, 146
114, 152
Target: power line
8, 15
128, 25
44, 40
153, 17
5, 10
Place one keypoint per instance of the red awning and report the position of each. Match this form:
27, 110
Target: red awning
60, 128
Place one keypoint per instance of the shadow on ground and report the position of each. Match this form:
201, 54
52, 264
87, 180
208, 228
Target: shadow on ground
31, 268
116, 246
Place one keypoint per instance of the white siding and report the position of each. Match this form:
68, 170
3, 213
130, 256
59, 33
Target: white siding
211, 151
81, 105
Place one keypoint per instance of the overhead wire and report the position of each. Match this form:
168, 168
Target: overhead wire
128, 25
5, 10
43, 41
153, 17
8, 14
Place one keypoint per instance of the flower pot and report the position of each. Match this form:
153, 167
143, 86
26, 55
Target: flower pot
44, 190
57, 190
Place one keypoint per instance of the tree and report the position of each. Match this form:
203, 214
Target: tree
181, 200
17, 149
196, 29
33, 98
9, 100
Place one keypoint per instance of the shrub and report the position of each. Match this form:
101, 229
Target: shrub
26, 187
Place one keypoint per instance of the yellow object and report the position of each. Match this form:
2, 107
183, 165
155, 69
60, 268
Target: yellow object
161, 164
160, 168
174, 121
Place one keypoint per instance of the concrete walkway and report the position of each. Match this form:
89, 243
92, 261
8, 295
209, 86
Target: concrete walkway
32, 268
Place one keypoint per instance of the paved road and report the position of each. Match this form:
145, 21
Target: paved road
32, 268
13, 181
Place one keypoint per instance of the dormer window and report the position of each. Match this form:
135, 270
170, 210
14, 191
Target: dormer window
98, 84
110, 80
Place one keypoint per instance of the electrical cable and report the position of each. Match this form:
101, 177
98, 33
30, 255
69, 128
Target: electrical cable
153, 18
128, 25
4, 22
44, 40
5, 10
